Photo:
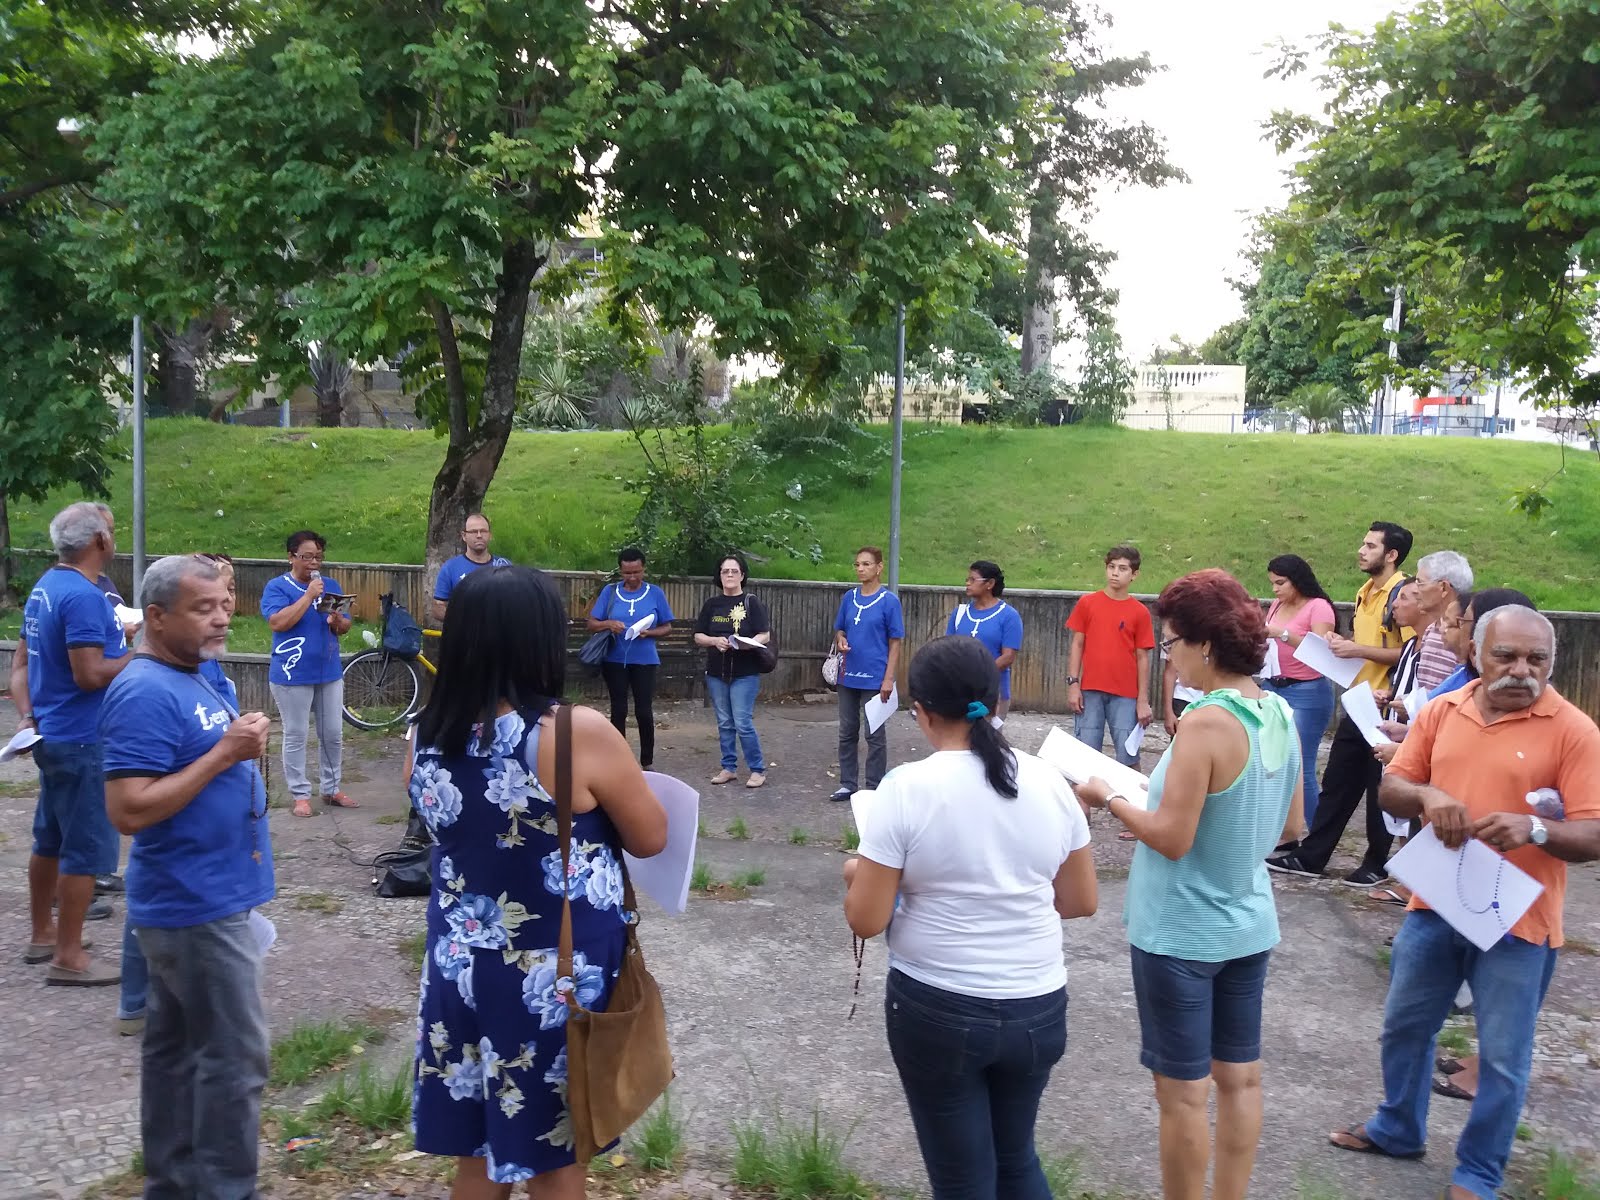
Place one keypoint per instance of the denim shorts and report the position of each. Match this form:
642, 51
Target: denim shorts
70, 821
1191, 1013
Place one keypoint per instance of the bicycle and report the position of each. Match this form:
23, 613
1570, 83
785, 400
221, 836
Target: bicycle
382, 688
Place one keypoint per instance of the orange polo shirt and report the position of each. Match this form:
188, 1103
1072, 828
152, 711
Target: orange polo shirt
1491, 768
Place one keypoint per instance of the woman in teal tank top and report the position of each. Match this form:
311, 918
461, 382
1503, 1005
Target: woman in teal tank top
1200, 914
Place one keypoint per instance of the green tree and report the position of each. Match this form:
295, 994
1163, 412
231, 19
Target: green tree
1459, 149
1325, 407
1105, 386
403, 172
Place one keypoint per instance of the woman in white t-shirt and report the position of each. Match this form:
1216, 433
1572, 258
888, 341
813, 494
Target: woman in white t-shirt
977, 852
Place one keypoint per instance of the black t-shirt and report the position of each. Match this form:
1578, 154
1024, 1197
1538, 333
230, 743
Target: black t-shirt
724, 616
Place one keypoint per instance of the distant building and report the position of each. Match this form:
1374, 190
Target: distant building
1204, 397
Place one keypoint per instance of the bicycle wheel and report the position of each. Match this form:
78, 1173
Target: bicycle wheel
380, 689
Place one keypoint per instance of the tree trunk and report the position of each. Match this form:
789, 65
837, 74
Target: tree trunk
330, 408
471, 459
178, 365
1039, 281
7, 567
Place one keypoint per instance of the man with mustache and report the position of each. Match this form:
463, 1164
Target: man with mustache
1469, 762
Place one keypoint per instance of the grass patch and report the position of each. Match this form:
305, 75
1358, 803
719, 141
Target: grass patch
319, 902
1455, 1040
309, 1050
1308, 1186
556, 500
851, 838
1524, 1132
367, 1100
753, 878
1564, 1178
18, 789
702, 878
657, 1142
798, 837
1385, 956
399, 818
795, 1163
1578, 945
738, 830
414, 947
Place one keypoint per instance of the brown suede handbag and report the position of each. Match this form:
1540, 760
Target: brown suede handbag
618, 1061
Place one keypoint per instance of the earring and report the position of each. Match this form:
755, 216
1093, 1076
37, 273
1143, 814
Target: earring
1206, 658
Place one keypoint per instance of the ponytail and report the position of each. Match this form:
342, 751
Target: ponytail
954, 678
999, 760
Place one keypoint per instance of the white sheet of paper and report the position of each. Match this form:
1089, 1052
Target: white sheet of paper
998, 722
1270, 665
639, 626
1315, 652
1479, 893
664, 877
1398, 826
1135, 740
1415, 701
263, 930
22, 740
131, 616
1079, 762
744, 641
879, 710
1362, 706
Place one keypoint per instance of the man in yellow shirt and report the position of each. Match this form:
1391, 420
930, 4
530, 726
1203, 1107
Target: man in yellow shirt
1352, 771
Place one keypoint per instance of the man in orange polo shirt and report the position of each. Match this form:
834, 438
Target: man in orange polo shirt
1465, 768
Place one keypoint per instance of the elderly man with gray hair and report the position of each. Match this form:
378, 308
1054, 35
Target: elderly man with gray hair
71, 648
1472, 758
181, 777
1443, 577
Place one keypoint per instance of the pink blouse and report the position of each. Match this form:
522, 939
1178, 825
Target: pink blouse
1312, 612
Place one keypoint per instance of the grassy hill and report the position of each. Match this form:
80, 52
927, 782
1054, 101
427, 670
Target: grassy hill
1044, 503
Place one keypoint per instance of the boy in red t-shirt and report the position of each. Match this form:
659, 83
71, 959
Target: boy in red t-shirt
1108, 666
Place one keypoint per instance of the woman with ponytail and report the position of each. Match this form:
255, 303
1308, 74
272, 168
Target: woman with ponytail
978, 853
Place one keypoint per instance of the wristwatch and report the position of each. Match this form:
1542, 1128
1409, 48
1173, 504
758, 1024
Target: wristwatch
1537, 833
1072, 679
1283, 636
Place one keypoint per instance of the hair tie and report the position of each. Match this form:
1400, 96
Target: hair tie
977, 710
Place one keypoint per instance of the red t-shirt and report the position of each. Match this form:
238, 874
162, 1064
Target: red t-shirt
1113, 632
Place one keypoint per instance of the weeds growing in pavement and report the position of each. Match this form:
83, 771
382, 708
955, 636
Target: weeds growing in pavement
738, 830
795, 1163
1564, 1178
752, 878
798, 837
308, 1050
367, 1100
658, 1140
703, 879
851, 839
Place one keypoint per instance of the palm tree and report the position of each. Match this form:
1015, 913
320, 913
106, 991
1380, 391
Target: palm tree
1325, 407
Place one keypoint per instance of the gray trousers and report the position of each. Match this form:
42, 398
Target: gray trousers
297, 704
205, 1061
851, 702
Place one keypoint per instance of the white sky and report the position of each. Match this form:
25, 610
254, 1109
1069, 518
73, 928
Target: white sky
1176, 246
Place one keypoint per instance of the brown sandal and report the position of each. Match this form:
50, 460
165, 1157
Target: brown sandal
302, 807
1367, 1146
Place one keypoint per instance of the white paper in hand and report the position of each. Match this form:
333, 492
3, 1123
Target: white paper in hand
1079, 763
1135, 740
664, 877
1415, 701
1315, 652
129, 616
639, 626
739, 639
1362, 706
1270, 666
1481, 894
21, 742
879, 710
263, 930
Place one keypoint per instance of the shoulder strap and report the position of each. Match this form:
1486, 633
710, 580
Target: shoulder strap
563, 797
961, 615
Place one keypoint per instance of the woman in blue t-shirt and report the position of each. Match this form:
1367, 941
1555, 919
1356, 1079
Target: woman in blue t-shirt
992, 621
306, 675
631, 665
868, 632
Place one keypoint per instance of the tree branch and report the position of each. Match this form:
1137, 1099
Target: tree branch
455, 382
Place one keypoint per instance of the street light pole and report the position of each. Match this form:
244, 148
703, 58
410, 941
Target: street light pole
897, 420
138, 458
1393, 326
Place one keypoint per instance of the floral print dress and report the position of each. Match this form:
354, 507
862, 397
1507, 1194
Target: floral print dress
491, 1060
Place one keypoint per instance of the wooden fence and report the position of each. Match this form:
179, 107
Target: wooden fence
802, 621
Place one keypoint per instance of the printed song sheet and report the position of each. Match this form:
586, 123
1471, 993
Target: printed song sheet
1362, 706
1480, 893
21, 742
1315, 652
639, 626
1079, 762
665, 877
879, 710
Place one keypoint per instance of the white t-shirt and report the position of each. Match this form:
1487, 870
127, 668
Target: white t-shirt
977, 897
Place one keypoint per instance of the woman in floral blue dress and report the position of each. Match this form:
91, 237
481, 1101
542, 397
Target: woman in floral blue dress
491, 1064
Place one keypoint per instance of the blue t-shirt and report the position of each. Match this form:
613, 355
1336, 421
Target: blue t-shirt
66, 612
1453, 682
998, 629
614, 604
200, 863
869, 623
306, 653
458, 568
211, 671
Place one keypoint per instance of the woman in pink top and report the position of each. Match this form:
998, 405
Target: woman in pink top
1300, 606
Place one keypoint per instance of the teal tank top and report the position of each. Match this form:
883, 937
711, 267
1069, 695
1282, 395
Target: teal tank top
1215, 903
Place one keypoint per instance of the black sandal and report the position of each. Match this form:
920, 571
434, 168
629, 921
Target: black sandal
1448, 1065
1443, 1087
1368, 1146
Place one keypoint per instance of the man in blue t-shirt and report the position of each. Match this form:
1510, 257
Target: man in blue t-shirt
72, 647
181, 777
475, 537
868, 631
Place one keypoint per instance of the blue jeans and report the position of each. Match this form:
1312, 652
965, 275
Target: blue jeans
973, 1071
204, 1061
1430, 962
734, 701
1100, 709
1311, 701
1193, 1013
135, 975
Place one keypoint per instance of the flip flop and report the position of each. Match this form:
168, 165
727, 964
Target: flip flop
42, 952
1127, 835
1447, 1065
1443, 1087
1387, 896
1368, 1146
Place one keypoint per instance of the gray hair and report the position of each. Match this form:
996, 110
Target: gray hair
163, 581
74, 528
1480, 631
1449, 566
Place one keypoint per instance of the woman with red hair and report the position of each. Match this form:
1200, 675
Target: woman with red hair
1199, 912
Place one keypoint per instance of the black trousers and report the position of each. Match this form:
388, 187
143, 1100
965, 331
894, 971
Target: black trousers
1351, 774
640, 679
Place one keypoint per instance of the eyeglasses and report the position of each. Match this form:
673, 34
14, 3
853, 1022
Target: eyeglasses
317, 557
1168, 643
